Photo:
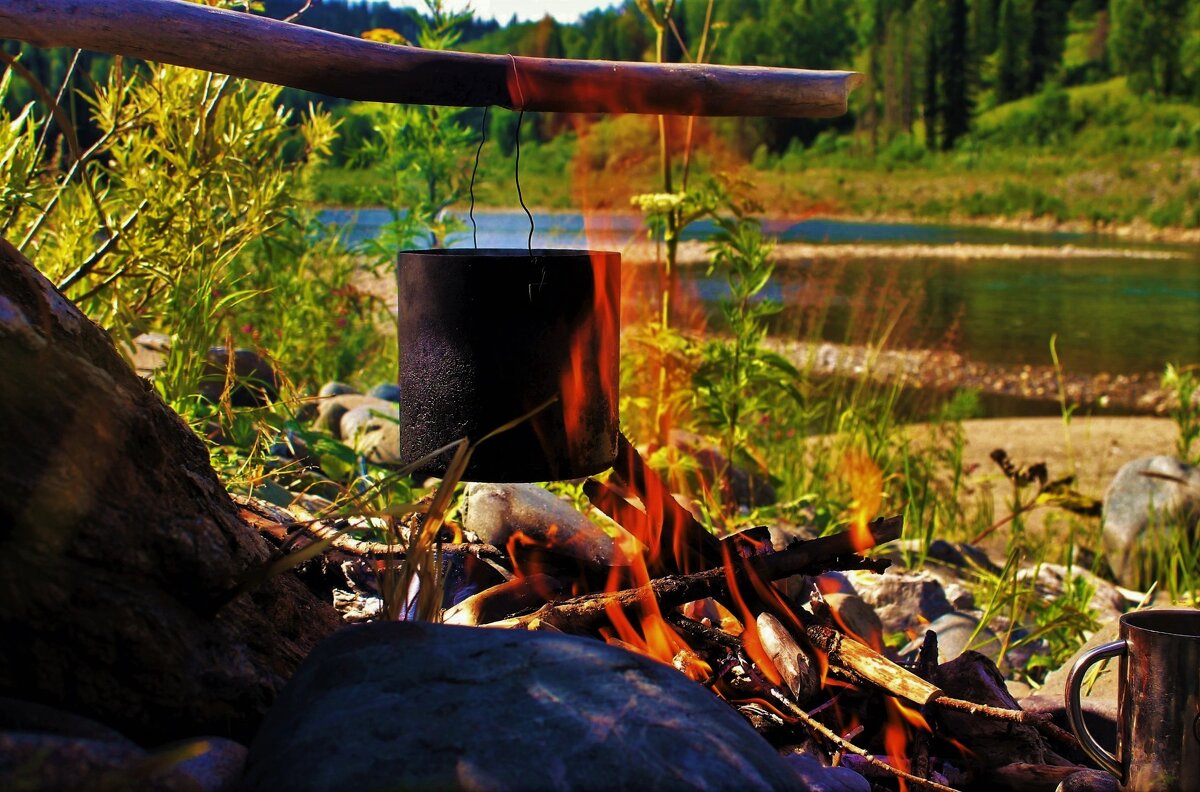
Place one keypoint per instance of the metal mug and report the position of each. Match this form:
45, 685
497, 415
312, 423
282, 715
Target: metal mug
1158, 701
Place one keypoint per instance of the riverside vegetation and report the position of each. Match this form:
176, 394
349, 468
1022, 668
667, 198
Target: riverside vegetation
187, 209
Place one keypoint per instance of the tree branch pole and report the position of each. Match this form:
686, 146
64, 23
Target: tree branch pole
242, 45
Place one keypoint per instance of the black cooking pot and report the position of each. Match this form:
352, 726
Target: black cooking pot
486, 336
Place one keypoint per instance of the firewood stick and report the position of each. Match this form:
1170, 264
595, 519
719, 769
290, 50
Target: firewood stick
1039, 720
927, 665
877, 669
722, 638
813, 557
282, 526
815, 725
202, 37
870, 665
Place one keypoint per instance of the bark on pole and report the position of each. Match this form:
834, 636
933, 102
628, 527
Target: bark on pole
116, 538
186, 34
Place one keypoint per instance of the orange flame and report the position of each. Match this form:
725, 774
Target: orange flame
591, 371
897, 733
866, 490
750, 637
652, 636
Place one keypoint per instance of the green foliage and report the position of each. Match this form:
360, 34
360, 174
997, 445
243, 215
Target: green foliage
1148, 41
180, 181
738, 378
426, 150
182, 216
1184, 386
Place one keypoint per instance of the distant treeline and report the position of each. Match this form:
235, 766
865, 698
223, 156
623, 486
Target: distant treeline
936, 63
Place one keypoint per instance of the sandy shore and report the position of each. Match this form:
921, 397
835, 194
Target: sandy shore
692, 253
1092, 449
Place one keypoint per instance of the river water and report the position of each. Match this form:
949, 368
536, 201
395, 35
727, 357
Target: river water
1114, 314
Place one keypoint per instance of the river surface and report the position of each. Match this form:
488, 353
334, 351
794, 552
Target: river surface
1111, 314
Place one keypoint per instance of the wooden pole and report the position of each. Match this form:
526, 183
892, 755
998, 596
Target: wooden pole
202, 37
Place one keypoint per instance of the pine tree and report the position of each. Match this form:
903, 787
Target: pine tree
983, 26
956, 69
1011, 70
1047, 38
1147, 42
929, 112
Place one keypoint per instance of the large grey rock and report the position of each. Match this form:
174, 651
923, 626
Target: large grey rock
420, 706
904, 600
119, 545
1147, 499
497, 512
956, 634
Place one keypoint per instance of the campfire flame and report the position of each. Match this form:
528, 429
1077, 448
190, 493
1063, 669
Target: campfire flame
595, 340
661, 543
866, 490
652, 636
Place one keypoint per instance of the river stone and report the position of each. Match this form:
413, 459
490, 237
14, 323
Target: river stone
216, 766
1147, 499
904, 600
40, 761
367, 417
954, 631
379, 442
816, 777
425, 706
388, 391
334, 388
331, 410
743, 487
1088, 781
496, 512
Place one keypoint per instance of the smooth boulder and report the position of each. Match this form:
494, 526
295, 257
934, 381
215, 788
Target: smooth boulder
1147, 500
421, 706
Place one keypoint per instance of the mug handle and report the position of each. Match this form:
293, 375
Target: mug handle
1075, 677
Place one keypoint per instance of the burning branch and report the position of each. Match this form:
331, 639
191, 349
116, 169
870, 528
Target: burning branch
242, 45
588, 612
878, 670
